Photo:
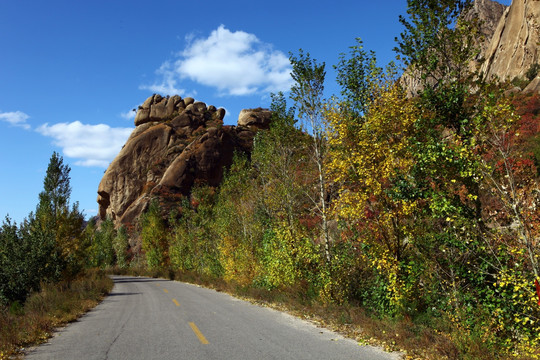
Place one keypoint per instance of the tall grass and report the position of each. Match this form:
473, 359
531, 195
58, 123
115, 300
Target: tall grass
55, 305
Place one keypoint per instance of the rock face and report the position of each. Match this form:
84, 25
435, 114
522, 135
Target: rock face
509, 43
534, 86
255, 118
176, 144
488, 13
515, 45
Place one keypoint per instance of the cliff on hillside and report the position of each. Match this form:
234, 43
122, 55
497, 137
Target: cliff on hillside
509, 43
176, 143
488, 13
515, 44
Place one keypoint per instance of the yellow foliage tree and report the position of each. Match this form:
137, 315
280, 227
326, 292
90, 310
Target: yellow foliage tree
369, 157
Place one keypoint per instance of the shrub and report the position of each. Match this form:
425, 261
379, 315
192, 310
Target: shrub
533, 70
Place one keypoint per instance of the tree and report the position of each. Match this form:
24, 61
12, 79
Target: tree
120, 246
101, 252
359, 77
53, 214
370, 162
238, 223
477, 233
46, 247
25, 261
280, 163
56, 188
437, 44
155, 242
307, 94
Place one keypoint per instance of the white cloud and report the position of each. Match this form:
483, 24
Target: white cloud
16, 118
94, 145
168, 83
128, 115
236, 63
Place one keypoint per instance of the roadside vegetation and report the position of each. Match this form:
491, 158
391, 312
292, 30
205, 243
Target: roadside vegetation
411, 221
55, 305
45, 280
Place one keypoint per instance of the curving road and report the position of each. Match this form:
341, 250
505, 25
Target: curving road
146, 318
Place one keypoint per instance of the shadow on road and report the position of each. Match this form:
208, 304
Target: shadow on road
134, 279
124, 294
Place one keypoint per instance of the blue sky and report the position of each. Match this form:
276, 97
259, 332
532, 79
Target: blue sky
71, 71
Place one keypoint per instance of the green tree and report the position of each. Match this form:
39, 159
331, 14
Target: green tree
437, 44
360, 78
101, 249
56, 186
463, 158
307, 94
281, 163
239, 223
194, 245
155, 243
23, 261
121, 246
53, 214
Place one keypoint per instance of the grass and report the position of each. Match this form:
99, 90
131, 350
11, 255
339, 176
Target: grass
55, 305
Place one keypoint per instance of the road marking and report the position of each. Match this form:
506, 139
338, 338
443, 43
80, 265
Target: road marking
166, 290
175, 302
199, 334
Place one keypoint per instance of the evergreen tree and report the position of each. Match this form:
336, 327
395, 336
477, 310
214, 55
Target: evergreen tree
55, 218
56, 187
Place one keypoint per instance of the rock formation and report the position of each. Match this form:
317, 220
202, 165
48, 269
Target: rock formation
176, 143
255, 118
487, 13
515, 45
509, 43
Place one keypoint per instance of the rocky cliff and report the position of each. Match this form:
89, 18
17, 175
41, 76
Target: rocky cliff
176, 143
488, 14
509, 41
515, 44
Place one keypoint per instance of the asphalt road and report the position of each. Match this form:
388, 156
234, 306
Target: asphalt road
146, 318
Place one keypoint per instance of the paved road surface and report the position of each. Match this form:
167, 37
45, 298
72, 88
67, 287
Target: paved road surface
146, 318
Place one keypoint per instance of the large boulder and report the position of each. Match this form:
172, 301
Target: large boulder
158, 108
258, 118
176, 143
534, 86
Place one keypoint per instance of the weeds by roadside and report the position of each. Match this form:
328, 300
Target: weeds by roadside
55, 305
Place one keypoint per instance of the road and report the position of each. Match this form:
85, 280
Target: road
146, 318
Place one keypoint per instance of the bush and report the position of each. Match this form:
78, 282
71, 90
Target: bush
26, 259
533, 70
520, 82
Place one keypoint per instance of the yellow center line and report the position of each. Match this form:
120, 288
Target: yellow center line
199, 334
175, 302
166, 290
